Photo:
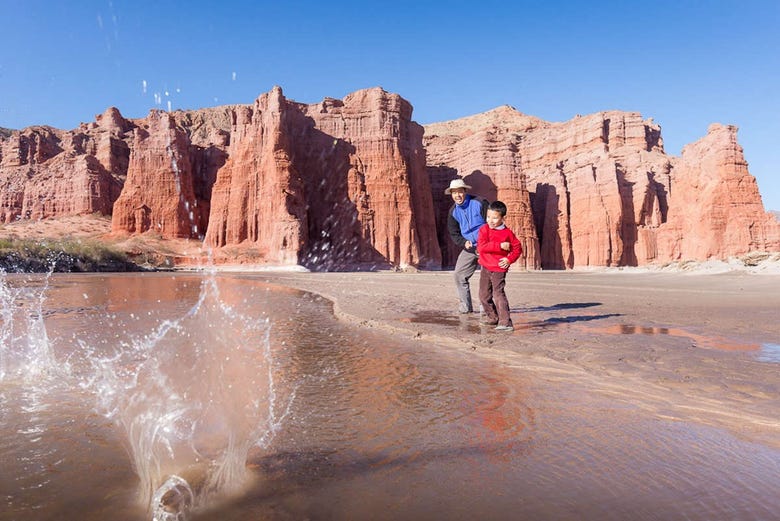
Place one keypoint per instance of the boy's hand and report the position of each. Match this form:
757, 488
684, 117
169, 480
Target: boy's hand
468, 245
506, 246
503, 263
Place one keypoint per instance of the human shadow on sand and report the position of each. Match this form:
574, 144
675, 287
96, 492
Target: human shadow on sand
567, 319
579, 318
556, 307
555, 321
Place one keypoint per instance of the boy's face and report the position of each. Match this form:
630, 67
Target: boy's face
494, 219
458, 195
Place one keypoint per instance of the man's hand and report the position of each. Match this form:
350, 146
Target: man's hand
469, 245
506, 246
503, 263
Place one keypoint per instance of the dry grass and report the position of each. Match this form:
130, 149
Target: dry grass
85, 243
61, 255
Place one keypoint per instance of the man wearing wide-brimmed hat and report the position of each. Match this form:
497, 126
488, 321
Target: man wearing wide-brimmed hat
464, 220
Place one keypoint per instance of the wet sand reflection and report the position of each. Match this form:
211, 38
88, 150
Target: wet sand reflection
525, 321
765, 352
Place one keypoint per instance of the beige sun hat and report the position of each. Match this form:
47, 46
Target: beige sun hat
457, 184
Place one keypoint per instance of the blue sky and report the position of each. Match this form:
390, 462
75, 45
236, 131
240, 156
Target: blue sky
684, 63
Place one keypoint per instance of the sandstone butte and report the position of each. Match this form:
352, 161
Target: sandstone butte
356, 183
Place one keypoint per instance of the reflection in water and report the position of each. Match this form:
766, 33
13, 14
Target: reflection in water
469, 323
769, 353
378, 428
764, 352
464, 322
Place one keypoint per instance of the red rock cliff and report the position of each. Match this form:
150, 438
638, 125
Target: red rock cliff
715, 208
602, 191
45, 172
354, 182
330, 185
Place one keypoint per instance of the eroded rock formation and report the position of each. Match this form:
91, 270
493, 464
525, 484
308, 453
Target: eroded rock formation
356, 182
716, 209
332, 185
46, 172
602, 191
337, 183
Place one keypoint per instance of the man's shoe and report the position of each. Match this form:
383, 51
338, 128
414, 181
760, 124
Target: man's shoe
504, 328
488, 322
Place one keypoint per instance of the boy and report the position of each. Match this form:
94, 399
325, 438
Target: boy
498, 247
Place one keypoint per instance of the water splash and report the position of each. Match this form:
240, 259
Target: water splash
25, 350
193, 397
173, 500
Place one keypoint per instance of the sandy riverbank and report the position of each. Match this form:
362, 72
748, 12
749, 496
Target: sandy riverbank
699, 347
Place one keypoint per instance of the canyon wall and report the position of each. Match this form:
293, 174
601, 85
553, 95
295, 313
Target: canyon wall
339, 184
330, 185
355, 183
602, 191
717, 210
46, 172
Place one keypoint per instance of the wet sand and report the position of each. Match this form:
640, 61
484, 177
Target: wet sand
689, 347
620, 395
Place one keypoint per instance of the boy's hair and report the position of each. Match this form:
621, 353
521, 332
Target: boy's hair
498, 206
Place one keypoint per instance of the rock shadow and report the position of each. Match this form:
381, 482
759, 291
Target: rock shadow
206, 162
546, 210
440, 177
481, 185
338, 229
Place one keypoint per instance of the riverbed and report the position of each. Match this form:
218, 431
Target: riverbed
284, 404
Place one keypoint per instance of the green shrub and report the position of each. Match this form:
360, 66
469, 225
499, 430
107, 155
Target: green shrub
63, 255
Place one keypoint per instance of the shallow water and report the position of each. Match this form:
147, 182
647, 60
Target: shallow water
762, 352
369, 426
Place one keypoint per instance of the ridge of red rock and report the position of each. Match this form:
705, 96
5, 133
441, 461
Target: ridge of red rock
333, 184
599, 190
356, 182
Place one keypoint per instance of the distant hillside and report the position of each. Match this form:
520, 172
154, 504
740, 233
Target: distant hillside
776, 213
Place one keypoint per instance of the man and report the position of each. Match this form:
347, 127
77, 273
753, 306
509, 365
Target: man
464, 220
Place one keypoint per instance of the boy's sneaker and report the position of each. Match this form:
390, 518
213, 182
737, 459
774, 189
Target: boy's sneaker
488, 322
504, 328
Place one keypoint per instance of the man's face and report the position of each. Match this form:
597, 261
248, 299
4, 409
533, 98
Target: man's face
458, 195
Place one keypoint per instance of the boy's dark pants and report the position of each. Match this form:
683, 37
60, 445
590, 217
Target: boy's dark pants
492, 296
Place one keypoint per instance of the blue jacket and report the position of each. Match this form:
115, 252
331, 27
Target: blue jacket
464, 220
